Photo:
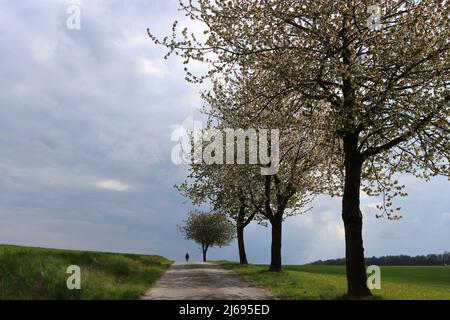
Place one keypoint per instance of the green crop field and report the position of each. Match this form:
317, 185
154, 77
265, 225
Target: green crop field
329, 282
38, 273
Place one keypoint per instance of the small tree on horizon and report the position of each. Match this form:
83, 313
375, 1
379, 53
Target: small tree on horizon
227, 189
208, 230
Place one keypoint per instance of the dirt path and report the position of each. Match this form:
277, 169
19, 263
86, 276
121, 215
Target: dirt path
197, 281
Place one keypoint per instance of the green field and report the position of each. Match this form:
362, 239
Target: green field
38, 273
329, 282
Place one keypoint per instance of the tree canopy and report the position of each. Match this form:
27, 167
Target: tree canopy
208, 230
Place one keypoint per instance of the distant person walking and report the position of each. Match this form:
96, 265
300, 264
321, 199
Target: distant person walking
187, 256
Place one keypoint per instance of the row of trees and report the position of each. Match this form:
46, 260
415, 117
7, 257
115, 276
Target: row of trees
402, 260
355, 105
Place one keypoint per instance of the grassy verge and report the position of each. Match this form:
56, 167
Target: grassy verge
38, 273
329, 282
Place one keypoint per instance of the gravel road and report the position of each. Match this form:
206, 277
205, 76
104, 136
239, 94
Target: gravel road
203, 281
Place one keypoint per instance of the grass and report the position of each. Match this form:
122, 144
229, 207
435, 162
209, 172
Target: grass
329, 282
38, 273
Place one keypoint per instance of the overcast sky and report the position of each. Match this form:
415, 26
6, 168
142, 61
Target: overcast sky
85, 148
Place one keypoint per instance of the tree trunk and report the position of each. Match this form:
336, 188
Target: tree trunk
204, 250
275, 260
352, 217
241, 245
